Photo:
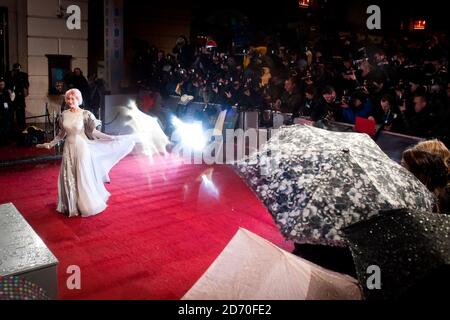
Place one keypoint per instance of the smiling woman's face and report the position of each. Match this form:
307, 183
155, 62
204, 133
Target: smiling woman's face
72, 101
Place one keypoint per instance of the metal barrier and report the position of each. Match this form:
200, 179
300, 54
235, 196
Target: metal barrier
392, 143
49, 125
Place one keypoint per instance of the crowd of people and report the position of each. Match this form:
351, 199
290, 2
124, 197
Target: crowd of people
399, 83
14, 89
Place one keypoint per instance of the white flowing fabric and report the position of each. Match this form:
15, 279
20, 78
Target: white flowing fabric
252, 268
88, 156
147, 132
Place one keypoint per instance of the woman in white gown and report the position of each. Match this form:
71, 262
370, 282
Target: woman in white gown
88, 156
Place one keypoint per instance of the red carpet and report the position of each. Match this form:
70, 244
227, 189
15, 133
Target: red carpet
162, 230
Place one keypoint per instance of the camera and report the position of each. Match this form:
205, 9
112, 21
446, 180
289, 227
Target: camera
349, 72
359, 61
346, 99
343, 100
403, 86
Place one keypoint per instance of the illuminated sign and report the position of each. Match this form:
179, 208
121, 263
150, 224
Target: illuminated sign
419, 24
304, 3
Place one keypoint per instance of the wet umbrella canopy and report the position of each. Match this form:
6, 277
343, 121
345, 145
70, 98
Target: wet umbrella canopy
410, 249
316, 182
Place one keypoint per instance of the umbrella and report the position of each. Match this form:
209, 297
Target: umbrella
316, 182
410, 248
252, 268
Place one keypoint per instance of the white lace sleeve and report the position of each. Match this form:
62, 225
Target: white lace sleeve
61, 134
90, 125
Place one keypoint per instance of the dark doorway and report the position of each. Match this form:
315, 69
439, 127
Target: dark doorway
4, 52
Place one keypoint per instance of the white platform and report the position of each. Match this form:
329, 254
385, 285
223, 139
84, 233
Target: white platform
23, 254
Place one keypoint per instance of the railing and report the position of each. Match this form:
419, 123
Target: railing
49, 125
392, 143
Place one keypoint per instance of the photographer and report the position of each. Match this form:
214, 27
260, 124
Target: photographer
372, 79
308, 102
234, 94
443, 109
347, 80
218, 92
291, 99
383, 66
420, 121
323, 110
440, 74
183, 52
98, 90
388, 119
359, 105
18, 83
401, 67
184, 83
158, 65
6, 115
250, 98
322, 76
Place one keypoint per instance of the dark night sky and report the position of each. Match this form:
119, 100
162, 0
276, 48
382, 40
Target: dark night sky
339, 11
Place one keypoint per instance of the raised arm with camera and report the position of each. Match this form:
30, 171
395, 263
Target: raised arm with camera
361, 106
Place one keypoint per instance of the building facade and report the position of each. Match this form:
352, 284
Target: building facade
36, 29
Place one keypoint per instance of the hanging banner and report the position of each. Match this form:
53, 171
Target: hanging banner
113, 45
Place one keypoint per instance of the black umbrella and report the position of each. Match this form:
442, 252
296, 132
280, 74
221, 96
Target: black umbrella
409, 250
316, 182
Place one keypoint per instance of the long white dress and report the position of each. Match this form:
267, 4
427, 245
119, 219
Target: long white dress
88, 156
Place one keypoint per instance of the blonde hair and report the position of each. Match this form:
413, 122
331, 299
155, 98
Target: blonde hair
435, 147
76, 93
438, 149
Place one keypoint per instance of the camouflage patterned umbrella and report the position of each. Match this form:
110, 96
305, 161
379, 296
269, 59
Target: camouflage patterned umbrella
316, 182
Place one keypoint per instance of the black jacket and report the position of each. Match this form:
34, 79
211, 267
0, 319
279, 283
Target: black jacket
18, 82
322, 111
290, 103
420, 124
5, 99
